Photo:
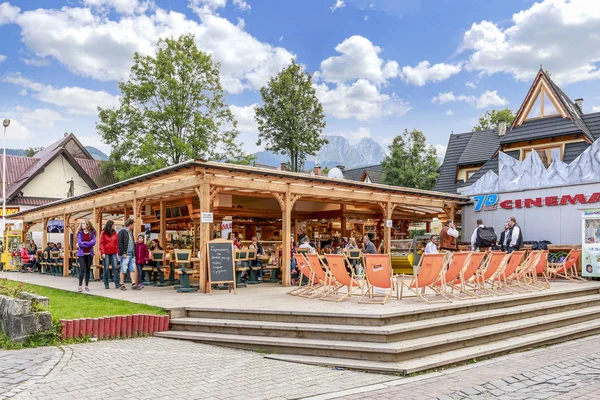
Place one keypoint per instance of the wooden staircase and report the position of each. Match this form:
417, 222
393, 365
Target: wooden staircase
402, 342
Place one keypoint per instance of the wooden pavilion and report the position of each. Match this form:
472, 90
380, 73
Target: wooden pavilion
205, 187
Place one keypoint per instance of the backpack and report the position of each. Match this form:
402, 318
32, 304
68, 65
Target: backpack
541, 245
486, 237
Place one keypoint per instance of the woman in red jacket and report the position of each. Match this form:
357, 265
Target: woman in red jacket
109, 247
25, 259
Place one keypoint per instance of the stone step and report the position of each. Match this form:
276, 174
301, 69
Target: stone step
396, 351
388, 333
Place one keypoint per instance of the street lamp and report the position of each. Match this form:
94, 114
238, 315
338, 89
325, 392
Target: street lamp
5, 123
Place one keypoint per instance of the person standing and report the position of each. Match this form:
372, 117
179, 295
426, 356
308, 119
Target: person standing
474, 246
515, 236
368, 246
504, 237
431, 247
127, 253
255, 245
448, 237
142, 256
86, 240
109, 247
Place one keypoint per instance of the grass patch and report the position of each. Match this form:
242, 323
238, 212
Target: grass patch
72, 305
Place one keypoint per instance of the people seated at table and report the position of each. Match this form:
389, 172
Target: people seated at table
293, 250
238, 243
255, 245
368, 246
26, 259
155, 245
351, 245
60, 249
431, 247
142, 256
306, 245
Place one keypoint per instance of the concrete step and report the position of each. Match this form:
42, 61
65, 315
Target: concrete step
389, 333
452, 357
396, 351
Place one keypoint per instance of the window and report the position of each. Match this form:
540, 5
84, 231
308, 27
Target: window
547, 154
470, 174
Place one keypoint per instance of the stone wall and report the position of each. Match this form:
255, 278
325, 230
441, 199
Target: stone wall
19, 320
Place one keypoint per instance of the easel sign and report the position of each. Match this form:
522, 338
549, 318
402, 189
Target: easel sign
221, 263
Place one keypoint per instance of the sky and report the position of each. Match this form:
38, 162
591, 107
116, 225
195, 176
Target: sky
379, 66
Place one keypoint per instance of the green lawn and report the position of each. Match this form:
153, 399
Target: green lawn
71, 305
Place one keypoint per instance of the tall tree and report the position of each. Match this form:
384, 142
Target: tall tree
411, 162
172, 109
291, 119
490, 119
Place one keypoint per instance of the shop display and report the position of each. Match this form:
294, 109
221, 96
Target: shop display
590, 261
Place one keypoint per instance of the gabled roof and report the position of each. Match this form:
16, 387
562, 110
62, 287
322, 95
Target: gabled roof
447, 179
374, 172
541, 128
481, 147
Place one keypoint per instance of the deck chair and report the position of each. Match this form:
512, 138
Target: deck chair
429, 272
540, 271
456, 264
355, 257
341, 277
320, 273
378, 274
304, 271
467, 276
509, 270
494, 265
526, 275
567, 268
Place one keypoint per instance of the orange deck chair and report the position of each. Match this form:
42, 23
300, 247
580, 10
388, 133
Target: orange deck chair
468, 275
378, 273
339, 273
321, 275
429, 272
567, 268
304, 271
540, 270
509, 271
527, 273
456, 265
494, 265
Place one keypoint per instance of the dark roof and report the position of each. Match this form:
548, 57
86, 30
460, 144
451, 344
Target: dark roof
447, 179
95, 171
31, 201
490, 165
15, 168
481, 147
593, 122
375, 173
541, 128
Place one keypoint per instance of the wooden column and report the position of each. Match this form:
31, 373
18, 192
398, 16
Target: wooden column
343, 220
163, 226
97, 221
387, 231
286, 221
44, 233
66, 244
204, 196
137, 216
295, 233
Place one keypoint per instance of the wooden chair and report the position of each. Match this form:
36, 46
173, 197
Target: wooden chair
241, 266
319, 274
253, 269
378, 273
45, 262
304, 271
183, 258
339, 273
429, 272
355, 257
158, 258
494, 265
56, 263
509, 270
526, 275
567, 268
466, 276
456, 264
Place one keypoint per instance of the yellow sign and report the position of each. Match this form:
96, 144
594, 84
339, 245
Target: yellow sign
10, 210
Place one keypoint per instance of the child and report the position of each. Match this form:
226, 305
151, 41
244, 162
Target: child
142, 256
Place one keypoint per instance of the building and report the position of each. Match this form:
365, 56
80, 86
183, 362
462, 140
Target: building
369, 174
547, 158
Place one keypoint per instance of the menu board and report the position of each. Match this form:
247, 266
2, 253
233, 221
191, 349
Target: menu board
221, 263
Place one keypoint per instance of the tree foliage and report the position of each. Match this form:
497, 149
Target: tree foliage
411, 162
490, 119
172, 109
31, 151
291, 119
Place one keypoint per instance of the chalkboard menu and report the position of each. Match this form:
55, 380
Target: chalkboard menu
221, 263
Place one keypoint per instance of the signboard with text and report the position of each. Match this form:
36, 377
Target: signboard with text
10, 210
491, 202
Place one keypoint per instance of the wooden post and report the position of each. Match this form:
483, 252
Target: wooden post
163, 225
137, 216
387, 231
286, 221
44, 233
343, 220
66, 244
204, 196
97, 221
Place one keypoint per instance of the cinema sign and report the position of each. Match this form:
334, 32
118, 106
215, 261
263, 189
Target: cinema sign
491, 202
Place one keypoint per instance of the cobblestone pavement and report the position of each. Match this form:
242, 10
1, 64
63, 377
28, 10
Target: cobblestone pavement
155, 368
567, 371
18, 367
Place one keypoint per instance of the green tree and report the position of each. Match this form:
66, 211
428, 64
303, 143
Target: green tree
291, 119
172, 109
31, 151
490, 119
411, 162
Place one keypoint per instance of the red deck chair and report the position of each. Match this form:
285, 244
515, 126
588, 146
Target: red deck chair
378, 273
429, 272
457, 264
304, 271
495, 263
320, 275
468, 274
341, 278
567, 268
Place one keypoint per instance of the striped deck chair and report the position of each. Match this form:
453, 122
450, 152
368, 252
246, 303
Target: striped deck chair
567, 268
341, 278
429, 272
456, 264
467, 276
378, 274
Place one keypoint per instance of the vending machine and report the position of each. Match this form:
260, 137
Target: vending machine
590, 247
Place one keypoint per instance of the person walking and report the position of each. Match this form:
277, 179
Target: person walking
86, 240
448, 237
127, 254
515, 236
142, 256
474, 246
109, 247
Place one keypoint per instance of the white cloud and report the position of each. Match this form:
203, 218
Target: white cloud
338, 4
425, 72
366, 18
40, 117
23, 92
440, 149
2, 57
361, 100
354, 136
561, 35
280, 38
596, 109
15, 131
75, 100
359, 59
242, 5
471, 85
36, 62
93, 45
120, 6
245, 117
488, 98
449, 112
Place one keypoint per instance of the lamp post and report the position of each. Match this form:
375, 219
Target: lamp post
5, 123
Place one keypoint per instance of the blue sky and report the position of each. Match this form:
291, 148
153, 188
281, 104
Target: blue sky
379, 66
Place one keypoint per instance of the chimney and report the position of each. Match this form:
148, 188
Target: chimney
579, 103
282, 166
341, 167
501, 128
317, 170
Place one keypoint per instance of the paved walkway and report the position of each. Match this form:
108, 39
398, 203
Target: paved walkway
21, 367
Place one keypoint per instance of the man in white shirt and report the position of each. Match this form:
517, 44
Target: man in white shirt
431, 247
515, 236
448, 237
474, 246
306, 245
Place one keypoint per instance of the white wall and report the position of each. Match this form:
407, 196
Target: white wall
558, 224
52, 182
